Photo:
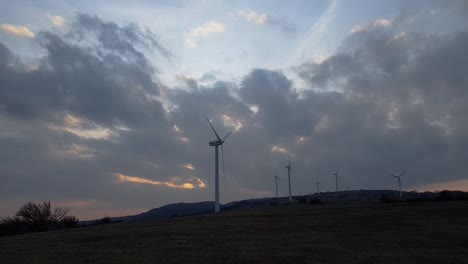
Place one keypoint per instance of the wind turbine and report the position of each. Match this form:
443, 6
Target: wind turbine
336, 179
216, 143
318, 187
399, 180
289, 179
276, 183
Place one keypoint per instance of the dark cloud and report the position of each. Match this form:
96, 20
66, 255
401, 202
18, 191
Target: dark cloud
386, 101
401, 93
109, 88
108, 84
459, 6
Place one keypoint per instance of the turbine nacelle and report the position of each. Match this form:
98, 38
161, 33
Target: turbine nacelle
216, 142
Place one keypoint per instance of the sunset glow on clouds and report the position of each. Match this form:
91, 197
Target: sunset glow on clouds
189, 166
20, 31
174, 183
458, 185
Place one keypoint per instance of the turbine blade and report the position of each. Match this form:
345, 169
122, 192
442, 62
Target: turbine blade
402, 173
226, 136
222, 157
212, 128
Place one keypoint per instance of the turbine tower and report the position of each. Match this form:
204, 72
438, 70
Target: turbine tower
318, 187
216, 143
276, 183
289, 179
336, 180
399, 181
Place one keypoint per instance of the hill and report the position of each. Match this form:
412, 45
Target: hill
353, 196
430, 232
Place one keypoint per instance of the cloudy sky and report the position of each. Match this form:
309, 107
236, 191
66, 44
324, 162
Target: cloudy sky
102, 103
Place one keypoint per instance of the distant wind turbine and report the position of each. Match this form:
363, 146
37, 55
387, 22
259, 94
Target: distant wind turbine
217, 142
276, 183
289, 179
399, 181
318, 187
336, 179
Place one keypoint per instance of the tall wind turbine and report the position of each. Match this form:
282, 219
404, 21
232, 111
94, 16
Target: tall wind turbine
216, 143
276, 183
289, 179
399, 181
336, 179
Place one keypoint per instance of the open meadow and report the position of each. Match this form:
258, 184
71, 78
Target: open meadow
432, 232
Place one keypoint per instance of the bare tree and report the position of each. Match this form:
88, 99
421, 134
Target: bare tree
40, 216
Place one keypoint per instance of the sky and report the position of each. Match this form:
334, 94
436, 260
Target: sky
102, 102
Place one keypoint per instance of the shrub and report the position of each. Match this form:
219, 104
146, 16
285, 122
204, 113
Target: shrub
274, 203
69, 222
314, 201
10, 226
105, 220
387, 199
303, 200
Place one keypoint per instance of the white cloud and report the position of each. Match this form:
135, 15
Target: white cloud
253, 17
20, 31
57, 21
231, 121
278, 149
382, 23
81, 151
88, 130
203, 31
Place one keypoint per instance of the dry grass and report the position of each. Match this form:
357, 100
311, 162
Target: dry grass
379, 233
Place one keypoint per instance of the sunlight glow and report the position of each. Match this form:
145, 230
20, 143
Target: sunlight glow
189, 166
183, 139
201, 184
233, 122
207, 29
86, 129
81, 151
253, 108
456, 185
278, 149
173, 183
20, 31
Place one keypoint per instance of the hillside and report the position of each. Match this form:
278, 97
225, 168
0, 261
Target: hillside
431, 232
345, 197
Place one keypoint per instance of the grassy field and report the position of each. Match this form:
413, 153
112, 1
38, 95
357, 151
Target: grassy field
369, 233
